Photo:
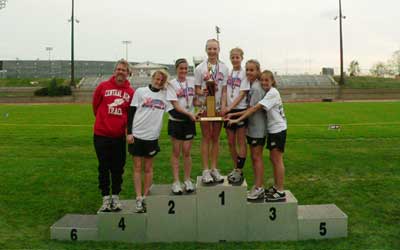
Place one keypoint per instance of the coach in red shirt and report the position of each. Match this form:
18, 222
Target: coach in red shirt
111, 101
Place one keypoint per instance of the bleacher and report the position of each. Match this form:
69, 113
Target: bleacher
295, 81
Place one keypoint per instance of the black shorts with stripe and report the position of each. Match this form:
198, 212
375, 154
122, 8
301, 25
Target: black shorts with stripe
182, 130
242, 124
253, 142
277, 140
144, 148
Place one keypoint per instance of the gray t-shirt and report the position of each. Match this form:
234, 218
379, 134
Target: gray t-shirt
258, 121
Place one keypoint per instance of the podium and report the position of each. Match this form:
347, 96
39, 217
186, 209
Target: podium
272, 221
221, 212
171, 218
214, 213
321, 222
75, 227
125, 225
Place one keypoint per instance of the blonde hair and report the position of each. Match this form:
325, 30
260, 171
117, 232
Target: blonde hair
164, 76
210, 41
269, 74
123, 62
258, 66
237, 50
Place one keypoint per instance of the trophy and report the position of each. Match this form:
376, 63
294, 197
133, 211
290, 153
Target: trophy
210, 106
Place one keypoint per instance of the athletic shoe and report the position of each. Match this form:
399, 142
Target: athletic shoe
207, 178
216, 176
177, 188
189, 187
270, 190
256, 194
106, 207
276, 197
140, 208
235, 177
116, 203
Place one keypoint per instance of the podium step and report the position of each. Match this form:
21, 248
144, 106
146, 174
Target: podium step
171, 218
221, 212
75, 227
125, 225
272, 221
321, 222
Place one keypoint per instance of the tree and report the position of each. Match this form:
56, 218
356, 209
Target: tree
354, 68
379, 69
395, 62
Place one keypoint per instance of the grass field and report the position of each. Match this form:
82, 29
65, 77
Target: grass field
26, 82
48, 168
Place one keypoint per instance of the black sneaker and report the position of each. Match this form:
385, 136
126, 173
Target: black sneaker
275, 197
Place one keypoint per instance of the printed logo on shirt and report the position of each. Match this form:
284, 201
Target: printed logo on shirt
113, 92
234, 81
153, 103
113, 107
185, 92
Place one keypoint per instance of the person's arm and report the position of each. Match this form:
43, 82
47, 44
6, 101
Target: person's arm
246, 114
224, 100
184, 115
237, 100
96, 99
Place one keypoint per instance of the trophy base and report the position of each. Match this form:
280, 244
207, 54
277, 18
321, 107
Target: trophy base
211, 119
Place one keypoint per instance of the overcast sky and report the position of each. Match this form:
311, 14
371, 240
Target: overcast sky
287, 34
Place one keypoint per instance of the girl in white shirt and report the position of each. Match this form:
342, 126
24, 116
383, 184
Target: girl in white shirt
234, 101
181, 124
211, 130
144, 125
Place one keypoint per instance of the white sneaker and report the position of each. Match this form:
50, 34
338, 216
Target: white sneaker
207, 178
116, 203
189, 187
216, 176
177, 188
106, 207
139, 205
256, 194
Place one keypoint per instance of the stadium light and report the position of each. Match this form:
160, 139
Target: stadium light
341, 17
126, 43
49, 49
218, 31
3, 4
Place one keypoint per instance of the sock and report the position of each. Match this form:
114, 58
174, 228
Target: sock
240, 162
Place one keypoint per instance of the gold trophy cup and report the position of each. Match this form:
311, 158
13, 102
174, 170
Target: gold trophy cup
210, 100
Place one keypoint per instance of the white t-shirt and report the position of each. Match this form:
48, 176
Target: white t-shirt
150, 109
272, 103
183, 92
237, 82
221, 76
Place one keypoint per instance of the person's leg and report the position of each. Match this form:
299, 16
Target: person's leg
258, 165
241, 141
276, 157
102, 148
205, 143
187, 158
231, 136
148, 175
117, 169
137, 175
176, 149
215, 133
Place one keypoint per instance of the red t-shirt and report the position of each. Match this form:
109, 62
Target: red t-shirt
110, 106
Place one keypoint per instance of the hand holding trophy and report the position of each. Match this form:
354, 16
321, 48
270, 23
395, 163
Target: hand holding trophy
211, 87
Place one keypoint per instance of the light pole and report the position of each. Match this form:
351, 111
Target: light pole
72, 20
341, 17
126, 43
49, 49
218, 31
3, 4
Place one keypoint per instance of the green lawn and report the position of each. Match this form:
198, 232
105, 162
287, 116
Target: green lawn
48, 168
